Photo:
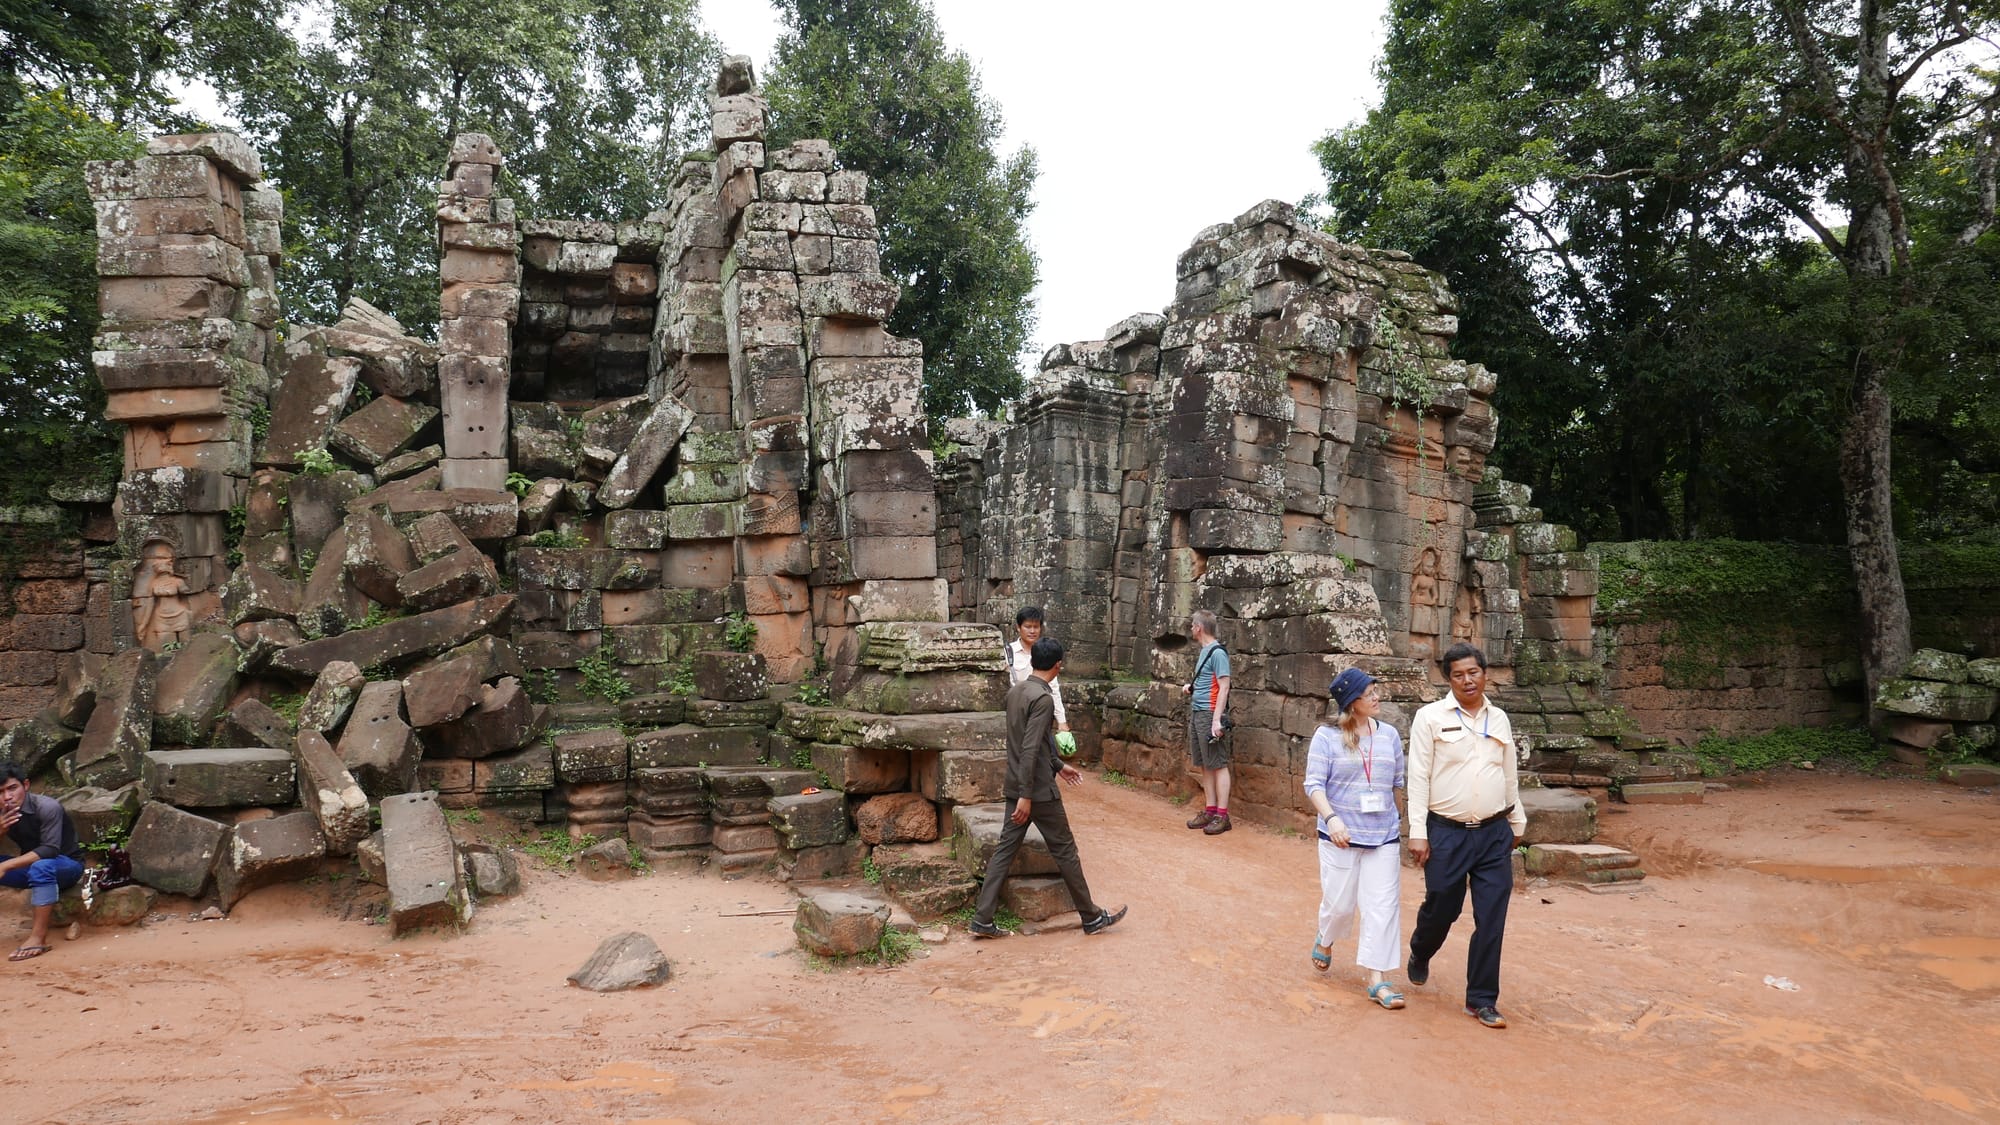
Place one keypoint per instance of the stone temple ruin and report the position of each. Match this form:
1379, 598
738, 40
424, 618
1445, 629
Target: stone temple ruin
655, 542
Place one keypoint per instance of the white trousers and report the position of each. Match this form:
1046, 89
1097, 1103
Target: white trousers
1371, 879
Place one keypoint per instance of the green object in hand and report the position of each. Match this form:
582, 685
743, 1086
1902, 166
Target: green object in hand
1066, 742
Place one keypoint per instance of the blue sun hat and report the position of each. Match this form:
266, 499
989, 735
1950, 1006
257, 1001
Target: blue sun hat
1348, 686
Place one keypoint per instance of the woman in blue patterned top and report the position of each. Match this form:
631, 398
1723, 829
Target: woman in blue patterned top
1352, 772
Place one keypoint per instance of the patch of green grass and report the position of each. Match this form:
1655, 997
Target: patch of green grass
739, 632
1113, 777
1786, 746
602, 679
682, 681
637, 859
554, 847
1178, 799
1003, 918
812, 695
463, 816
896, 947
288, 707
317, 463
1287, 831
869, 871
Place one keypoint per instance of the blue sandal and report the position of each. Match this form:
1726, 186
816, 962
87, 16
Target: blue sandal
1322, 961
1386, 995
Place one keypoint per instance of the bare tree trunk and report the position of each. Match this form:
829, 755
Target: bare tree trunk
1871, 533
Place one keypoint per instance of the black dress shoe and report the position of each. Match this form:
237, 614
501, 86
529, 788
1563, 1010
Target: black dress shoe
1105, 920
984, 929
1489, 1016
1420, 969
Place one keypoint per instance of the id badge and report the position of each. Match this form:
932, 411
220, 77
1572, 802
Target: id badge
1373, 802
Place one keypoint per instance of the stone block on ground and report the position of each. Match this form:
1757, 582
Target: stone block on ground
976, 833
1559, 816
896, 818
491, 872
810, 820
174, 851
503, 720
406, 637
959, 777
382, 429
818, 865
854, 770
1972, 775
377, 746
1931, 699
262, 853
220, 779
121, 906
120, 729
622, 961
193, 689
1662, 792
330, 793
368, 857
835, 923
1594, 864
426, 878
924, 879
331, 697
606, 861
36, 741
252, 723
1036, 898
100, 813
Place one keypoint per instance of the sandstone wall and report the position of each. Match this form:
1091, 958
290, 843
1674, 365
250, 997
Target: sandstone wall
1741, 638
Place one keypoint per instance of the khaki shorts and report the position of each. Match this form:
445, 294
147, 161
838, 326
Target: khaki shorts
1208, 753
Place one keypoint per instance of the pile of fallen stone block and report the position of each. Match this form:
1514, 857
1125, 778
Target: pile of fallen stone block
1942, 707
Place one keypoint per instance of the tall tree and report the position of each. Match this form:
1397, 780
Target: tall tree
876, 78
1643, 190
592, 101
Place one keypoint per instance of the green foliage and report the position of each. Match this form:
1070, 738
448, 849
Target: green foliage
812, 695
519, 483
554, 846
238, 520
1114, 777
288, 707
589, 103
543, 685
895, 947
1623, 198
317, 463
878, 80
802, 759
602, 679
463, 816
739, 632
1786, 746
682, 680
51, 403
561, 540
1002, 917
116, 836
870, 872
260, 420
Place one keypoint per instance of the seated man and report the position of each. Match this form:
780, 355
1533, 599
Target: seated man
50, 861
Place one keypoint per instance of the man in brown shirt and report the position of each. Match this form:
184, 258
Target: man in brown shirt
1033, 768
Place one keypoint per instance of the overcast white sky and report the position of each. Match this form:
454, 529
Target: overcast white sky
1151, 120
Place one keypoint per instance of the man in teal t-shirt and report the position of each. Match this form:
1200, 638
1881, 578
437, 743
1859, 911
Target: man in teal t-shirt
1208, 743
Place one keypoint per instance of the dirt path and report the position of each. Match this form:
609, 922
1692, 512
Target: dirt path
1880, 899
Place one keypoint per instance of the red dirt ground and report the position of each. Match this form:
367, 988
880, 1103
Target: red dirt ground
1878, 897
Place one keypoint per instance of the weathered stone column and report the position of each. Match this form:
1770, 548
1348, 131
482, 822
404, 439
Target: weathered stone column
187, 253
480, 301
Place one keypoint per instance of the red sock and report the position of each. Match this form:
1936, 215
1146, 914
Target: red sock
1211, 809
1221, 811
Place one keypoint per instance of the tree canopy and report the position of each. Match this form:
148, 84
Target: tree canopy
1708, 244
877, 79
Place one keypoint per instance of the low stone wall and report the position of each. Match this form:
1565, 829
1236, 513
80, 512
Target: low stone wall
1722, 637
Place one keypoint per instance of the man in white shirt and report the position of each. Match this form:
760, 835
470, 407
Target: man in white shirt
1465, 821
1027, 630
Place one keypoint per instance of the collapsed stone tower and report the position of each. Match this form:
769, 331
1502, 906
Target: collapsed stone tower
653, 540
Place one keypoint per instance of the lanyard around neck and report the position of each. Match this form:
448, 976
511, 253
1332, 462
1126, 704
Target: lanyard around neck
1486, 724
1368, 758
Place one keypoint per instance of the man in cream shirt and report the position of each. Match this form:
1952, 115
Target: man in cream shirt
1465, 820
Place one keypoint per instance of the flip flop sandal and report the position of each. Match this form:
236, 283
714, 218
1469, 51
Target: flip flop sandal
1386, 995
29, 952
1322, 961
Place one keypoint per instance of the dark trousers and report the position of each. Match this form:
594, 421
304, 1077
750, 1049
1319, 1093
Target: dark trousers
1480, 859
1050, 817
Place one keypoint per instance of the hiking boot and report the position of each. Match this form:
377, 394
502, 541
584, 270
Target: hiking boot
984, 929
1217, 826
1200, 819
1105, 920
1420, 969
1488, 1016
